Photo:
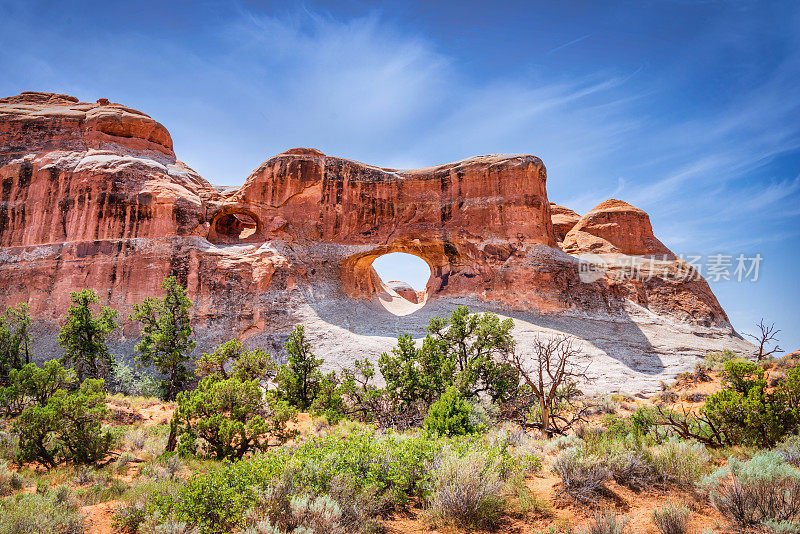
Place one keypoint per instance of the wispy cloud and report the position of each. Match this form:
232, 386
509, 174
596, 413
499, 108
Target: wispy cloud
570, 43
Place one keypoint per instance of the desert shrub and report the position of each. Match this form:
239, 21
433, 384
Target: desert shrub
102, 490
604, 404
228, 414
67, 428
156, 525
668, 396
671, 519
715, 360
638, 463
677, 462
318, 514
449, 415
631, 468
53, 512
465, 490
560, 443
133, 511
129, 516
762, 493
9, 445
135, 438
789, 448
582, 475
10, 481
607, 522
125, 380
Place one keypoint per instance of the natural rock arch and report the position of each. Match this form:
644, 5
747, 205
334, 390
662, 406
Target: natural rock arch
233, 225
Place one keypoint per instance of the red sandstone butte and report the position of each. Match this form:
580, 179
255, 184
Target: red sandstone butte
614, 226
92, 195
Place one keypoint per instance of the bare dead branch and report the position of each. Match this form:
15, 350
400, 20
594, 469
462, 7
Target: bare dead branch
550, 375
766, 336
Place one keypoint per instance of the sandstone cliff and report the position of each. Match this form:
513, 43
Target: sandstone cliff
93, 196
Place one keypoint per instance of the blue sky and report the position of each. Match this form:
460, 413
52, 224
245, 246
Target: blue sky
688, 110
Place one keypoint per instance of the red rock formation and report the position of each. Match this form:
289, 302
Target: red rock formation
93, 196
614, 226
563, 219
406, 291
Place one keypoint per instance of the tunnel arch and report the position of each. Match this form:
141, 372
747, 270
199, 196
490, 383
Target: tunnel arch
234, 225
360, 280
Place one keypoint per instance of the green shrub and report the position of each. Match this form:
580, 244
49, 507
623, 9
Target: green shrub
52, 512
358, 467
762, 493
746, 412
449, 416
225, 416
678, 462
133, 511
67, 428
671, 519
466, 490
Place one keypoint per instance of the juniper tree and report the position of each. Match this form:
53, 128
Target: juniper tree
15, 339
166, 335
229, 414
84, 335
300, 380
464, 350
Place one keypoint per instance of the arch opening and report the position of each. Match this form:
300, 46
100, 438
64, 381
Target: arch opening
402, 282
233, 227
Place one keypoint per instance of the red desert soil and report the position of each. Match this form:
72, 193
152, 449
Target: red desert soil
99, 517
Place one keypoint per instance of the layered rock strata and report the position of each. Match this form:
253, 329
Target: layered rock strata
92, 195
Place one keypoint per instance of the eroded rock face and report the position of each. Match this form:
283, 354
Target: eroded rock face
92, 196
